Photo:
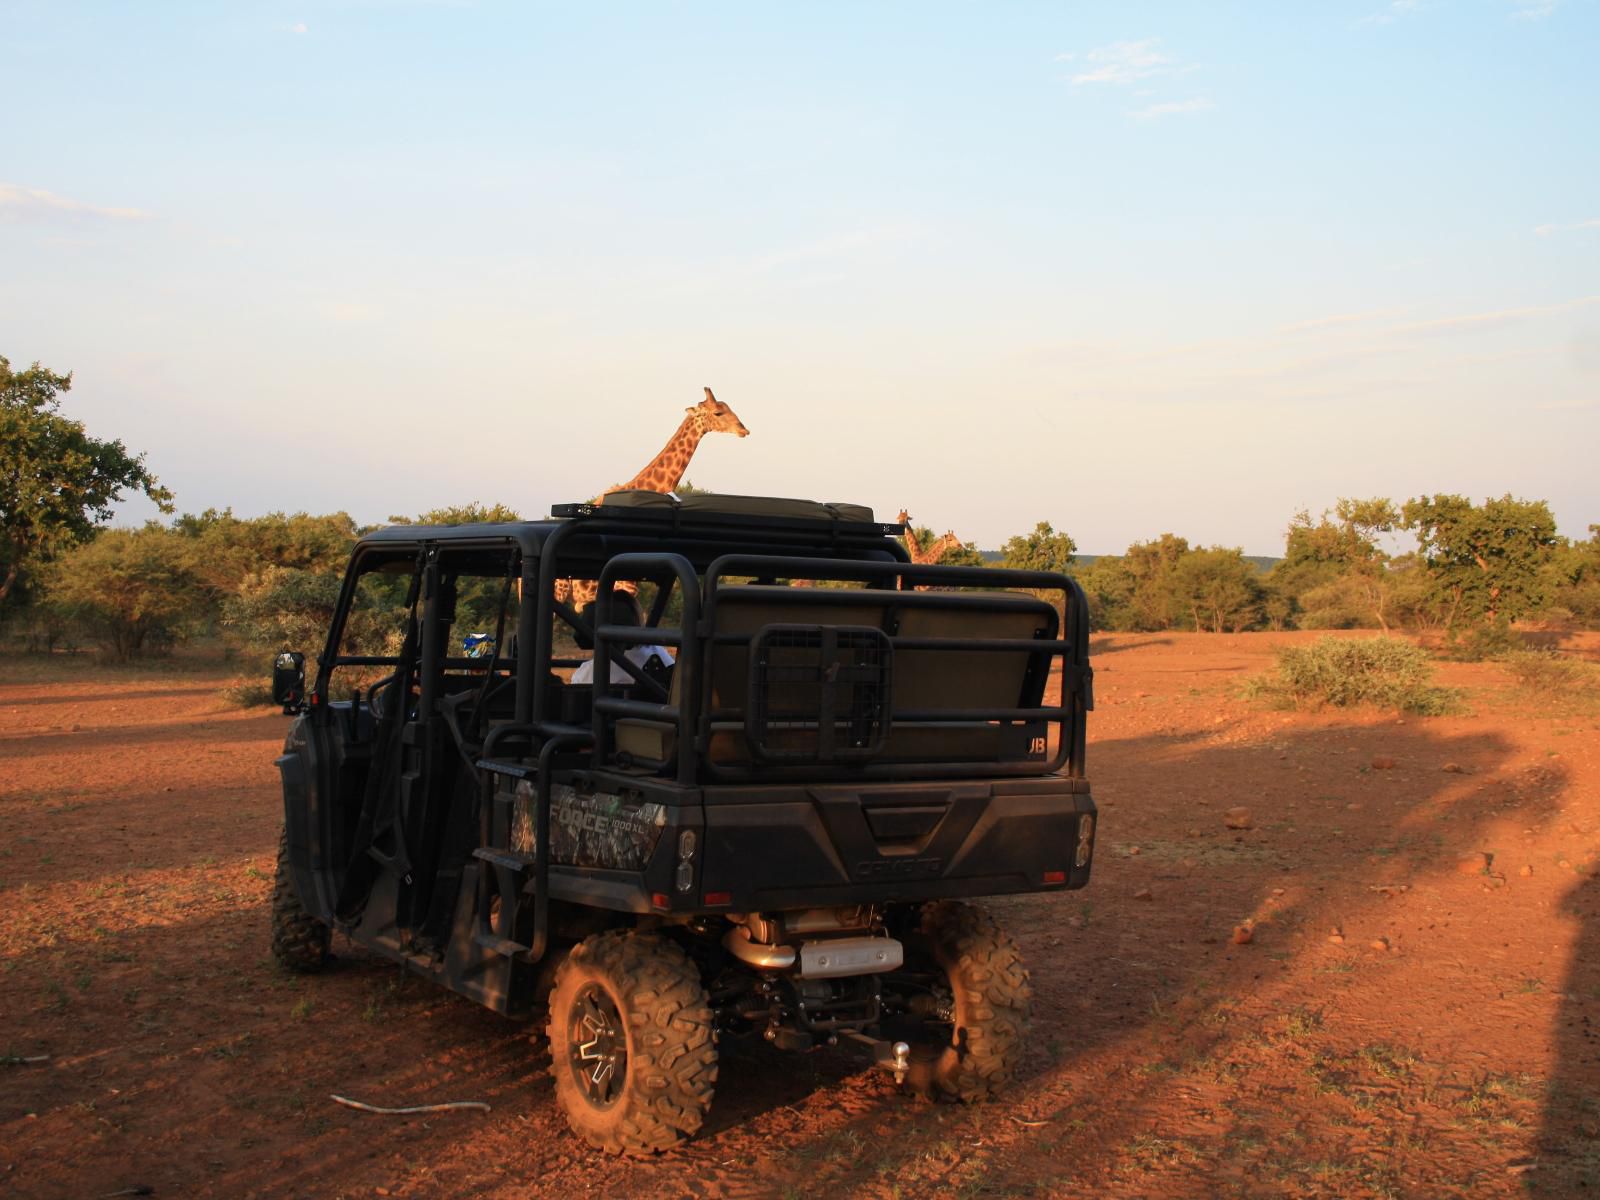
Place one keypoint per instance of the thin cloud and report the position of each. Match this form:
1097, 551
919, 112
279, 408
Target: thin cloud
1391, 14
1491, 320
1533, 10
1173, 108
1547, 230
1123, 63
1341, 319
18, 203
298, 27
347, 312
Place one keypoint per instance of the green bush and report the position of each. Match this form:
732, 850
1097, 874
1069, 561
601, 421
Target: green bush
248, 693
1548, 673
1494, 640
1382, 671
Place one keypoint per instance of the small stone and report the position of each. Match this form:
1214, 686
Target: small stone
1526, 871
1144, 894
1133, 851
1336, 938
1382, 763
1277, 891
1564, 865
1075, 922
1380, 943
1243, 935
1194, 833
1472, 864
1237, 818
1188, 864
1454, 768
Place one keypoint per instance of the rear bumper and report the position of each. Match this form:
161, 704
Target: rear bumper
776, 848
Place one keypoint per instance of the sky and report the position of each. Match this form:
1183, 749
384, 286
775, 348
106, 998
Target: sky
1127, 268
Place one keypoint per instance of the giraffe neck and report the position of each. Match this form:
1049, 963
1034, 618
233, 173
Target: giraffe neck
913, 545
666, 469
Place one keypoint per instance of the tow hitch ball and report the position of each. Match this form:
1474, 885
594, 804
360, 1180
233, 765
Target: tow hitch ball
902, 1061
891, 1056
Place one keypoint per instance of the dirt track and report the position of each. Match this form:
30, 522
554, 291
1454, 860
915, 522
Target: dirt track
1455, 1057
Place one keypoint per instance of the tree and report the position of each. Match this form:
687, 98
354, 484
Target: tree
1219, 588
1042, 550
1152, 566
1333, 569
57, 484
233, 548
134, 590
462, 514
1485, 558
1571, 579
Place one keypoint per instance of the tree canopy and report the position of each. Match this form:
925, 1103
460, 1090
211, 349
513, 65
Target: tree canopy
57, 483
1042, 550
1485, 557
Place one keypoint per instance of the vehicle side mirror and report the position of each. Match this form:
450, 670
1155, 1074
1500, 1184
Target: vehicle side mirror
289, 680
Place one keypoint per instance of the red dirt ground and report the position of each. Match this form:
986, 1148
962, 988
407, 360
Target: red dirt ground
1446, 1047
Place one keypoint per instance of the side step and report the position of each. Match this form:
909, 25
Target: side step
512, 870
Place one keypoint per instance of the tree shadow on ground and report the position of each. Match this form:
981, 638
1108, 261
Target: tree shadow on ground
1114, 643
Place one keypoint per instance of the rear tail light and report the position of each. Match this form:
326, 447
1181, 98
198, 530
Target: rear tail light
1085, 840
717, 899
1055, 876
683, 878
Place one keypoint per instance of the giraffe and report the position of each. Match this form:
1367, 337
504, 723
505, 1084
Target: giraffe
926, 553
945, 543
913, 543
663, 473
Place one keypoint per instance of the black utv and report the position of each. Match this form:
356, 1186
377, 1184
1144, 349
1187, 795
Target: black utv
748, 788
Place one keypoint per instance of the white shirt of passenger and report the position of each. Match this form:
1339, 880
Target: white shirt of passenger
637, 655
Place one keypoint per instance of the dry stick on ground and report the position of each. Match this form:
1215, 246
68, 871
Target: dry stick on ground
13, 1060
416, 1108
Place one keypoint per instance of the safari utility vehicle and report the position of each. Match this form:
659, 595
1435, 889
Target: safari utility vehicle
771, 826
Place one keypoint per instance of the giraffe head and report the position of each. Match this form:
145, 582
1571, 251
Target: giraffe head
713, 416
904, 518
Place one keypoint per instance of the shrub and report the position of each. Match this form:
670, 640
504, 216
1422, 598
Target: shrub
1347, 671
1548, 673
248, 693
1493, 640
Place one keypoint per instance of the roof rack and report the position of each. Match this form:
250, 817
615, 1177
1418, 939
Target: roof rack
706, 508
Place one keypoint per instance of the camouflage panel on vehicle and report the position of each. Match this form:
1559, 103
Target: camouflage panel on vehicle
591, 829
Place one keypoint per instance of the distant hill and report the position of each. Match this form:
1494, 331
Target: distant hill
1261, 562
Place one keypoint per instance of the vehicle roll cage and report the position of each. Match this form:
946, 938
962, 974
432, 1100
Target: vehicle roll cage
860, 553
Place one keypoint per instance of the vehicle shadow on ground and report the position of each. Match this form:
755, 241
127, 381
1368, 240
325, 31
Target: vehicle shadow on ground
221, 1064
1568, 1160
1126, 990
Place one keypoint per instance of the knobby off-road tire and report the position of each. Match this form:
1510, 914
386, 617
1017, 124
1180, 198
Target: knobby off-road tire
632, 1044
299, 940
984, 971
